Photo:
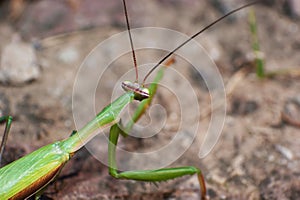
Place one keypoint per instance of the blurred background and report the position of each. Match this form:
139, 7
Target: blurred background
43, 43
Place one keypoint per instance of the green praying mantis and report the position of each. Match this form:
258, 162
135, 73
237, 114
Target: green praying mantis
31, 174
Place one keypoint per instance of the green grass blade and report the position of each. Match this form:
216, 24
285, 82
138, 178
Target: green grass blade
142, 107
259, 62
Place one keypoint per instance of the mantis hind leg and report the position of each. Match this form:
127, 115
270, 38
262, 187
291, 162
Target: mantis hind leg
148, 175
8, 121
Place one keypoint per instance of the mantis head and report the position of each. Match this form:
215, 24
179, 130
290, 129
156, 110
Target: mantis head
140, 92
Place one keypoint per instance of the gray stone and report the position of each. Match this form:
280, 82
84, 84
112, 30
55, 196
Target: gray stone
18, 63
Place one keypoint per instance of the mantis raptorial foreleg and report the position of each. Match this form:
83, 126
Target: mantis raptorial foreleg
8, 121
147, 175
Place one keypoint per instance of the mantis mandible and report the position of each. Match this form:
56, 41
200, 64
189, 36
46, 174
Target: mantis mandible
31, 174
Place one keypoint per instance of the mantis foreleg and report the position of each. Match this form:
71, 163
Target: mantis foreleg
147, 175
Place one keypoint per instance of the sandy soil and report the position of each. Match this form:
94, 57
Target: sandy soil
257, 154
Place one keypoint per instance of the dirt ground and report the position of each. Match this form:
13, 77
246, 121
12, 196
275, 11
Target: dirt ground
257, 154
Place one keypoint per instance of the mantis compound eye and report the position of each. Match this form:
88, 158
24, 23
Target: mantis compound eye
140, 93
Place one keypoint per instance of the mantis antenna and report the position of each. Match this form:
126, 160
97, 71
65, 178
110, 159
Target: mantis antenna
195, 35
140, 92
131, 42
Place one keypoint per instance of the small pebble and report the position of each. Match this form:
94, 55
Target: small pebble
285, 152
18, 63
